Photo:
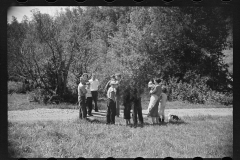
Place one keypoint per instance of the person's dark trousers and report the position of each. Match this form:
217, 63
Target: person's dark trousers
82, 107
117, 105
137, 111
161, 119
111, 111
95, 99
89, 105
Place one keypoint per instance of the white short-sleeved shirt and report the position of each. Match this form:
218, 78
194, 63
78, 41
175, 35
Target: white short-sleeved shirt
94, 84
111, 93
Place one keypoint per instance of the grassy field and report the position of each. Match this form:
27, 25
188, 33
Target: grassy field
204, 136
20, 102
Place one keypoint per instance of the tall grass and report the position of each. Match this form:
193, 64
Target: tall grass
203, 136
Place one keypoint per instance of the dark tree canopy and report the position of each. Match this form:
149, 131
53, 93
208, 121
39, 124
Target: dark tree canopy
139, 42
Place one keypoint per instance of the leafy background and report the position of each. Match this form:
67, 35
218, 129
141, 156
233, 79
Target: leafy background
190, 48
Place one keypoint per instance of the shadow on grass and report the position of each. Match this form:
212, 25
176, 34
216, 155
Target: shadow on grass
13, 152
98, 120
102, 120
178, 123
166, 123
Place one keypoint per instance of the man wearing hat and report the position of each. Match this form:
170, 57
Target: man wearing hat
82, 98
85, 77
111, 104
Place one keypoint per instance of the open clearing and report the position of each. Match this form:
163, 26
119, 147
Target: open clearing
43, 131
71, 114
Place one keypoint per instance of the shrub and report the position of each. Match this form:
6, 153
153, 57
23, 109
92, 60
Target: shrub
222, 98
16, 87
71, 96
196, 91
40, 96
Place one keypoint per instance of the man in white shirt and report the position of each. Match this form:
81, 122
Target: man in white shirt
94, 84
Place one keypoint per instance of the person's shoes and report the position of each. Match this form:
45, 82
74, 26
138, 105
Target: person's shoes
96, 110
90, 114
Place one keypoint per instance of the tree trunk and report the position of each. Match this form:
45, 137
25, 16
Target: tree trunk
60, 80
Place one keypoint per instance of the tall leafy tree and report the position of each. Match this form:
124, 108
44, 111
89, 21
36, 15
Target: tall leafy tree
139, 42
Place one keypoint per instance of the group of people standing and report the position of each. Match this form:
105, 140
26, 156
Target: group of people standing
157, 102
130, 100
88, 92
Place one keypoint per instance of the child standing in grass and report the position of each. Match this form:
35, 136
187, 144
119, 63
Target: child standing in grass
162, 104
89, 99
111, 104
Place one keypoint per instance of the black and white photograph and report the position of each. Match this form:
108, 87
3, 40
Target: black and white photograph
120, 81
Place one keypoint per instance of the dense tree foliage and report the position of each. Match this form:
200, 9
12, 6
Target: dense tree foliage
139, 42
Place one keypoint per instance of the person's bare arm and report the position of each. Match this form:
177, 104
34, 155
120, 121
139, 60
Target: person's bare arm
108, 93
154, 90
79, 89
105, 88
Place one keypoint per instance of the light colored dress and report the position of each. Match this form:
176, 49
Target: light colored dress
162, 104
154, 101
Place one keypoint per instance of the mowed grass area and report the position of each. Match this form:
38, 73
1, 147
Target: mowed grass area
21, 102
203, 136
